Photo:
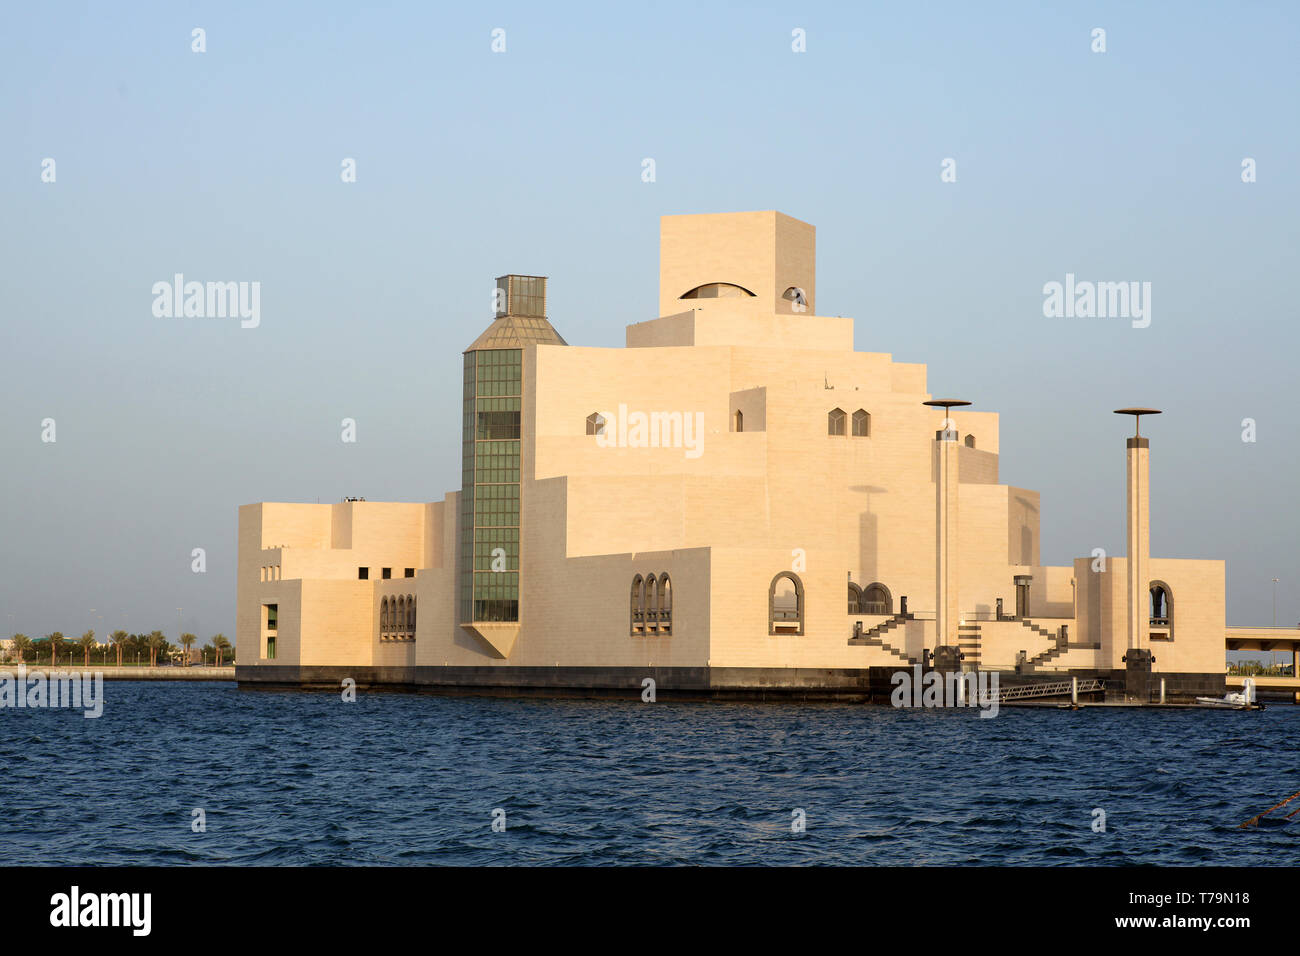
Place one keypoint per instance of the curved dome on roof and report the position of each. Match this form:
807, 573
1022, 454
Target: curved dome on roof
717, 290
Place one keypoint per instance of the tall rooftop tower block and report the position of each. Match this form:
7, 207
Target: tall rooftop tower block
760, 257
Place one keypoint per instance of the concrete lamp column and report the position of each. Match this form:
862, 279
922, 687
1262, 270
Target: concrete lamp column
946, 481
1138, 656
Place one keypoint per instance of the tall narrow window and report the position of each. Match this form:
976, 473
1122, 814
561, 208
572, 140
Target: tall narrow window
410, 614
651, 603
835, 421
861, 424
740, 420
1162, 612
272, 615
383, 615
638, 606
665, 604
785, 604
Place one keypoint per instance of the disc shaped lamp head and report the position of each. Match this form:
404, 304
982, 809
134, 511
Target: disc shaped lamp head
1137, 414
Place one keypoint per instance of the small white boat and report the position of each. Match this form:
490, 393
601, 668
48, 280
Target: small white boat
1229, 701
1233, 700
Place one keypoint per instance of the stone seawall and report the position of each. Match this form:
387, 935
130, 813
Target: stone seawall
128, 673
873, 684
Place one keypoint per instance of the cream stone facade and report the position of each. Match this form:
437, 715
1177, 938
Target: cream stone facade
735, 502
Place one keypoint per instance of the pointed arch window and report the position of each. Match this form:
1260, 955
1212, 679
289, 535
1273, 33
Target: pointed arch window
861, 424
835, 421
595, 424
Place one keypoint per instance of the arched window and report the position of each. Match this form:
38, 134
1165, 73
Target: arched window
861, 424
410, 613
970, 441
740, 420
835, 420
855, 599
718, 290
876, 599
399, 620
1162, 612
383, 614
637, 625
595, 424
785, 604
665, 604
651, 603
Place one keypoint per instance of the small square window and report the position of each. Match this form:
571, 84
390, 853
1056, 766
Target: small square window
387, 573
410, 572
363, 574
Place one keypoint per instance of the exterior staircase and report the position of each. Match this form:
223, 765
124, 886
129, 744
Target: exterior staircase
1061, 644
874, 637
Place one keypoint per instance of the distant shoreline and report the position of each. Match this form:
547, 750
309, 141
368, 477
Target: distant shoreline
128, 673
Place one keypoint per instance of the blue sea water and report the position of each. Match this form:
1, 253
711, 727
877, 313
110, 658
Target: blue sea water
287, 777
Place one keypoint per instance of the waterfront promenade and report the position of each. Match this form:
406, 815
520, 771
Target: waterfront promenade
128, 673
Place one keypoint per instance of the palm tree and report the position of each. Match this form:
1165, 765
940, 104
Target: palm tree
119, 639
22, 644
188, 641
87, 644
55, 640
155, 641
208, 647
220, 643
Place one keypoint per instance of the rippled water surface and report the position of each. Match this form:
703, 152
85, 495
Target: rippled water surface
304, 778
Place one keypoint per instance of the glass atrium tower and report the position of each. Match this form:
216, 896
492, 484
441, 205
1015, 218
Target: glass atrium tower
488, 567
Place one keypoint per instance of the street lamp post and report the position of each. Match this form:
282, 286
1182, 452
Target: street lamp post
1273, 653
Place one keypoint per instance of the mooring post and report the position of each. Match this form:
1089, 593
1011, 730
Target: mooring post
1074, 691
1162, 690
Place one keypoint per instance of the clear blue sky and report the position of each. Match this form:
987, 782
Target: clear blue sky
225, 165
